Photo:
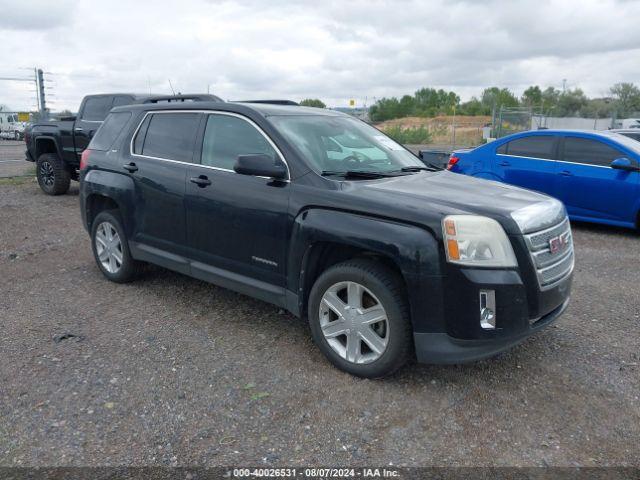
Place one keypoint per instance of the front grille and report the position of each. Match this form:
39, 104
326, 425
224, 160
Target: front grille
550, 267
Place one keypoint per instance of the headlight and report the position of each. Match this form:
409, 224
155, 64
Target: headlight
477, 241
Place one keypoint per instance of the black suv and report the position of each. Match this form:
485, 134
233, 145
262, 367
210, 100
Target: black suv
323, 215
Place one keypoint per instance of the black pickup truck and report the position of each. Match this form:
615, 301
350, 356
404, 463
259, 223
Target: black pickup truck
385, 257
56, 146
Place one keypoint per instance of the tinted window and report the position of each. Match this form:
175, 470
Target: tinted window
109, 131
635, 136
96, 108
535, 147
226, 137
171, 136
142, 132
593, 152
120, 100
502, 148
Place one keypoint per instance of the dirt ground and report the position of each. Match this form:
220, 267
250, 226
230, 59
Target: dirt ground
468, 129
173, 371
12, 161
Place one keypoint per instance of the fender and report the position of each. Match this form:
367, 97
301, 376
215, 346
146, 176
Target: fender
413, 250
47, 137
116, 186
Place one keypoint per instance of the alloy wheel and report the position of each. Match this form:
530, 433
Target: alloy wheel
108, 247
354, 322
47, 174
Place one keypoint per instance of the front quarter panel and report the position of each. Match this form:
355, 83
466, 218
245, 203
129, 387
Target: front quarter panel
412, 249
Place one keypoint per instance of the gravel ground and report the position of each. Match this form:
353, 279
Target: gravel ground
173, 371
12, 162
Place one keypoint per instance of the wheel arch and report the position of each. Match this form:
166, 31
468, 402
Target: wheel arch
45, 144
322, 238
96, 203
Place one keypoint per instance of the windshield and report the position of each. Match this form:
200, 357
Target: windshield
342, 144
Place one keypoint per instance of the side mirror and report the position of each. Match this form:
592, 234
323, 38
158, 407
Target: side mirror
260, 165
625, 164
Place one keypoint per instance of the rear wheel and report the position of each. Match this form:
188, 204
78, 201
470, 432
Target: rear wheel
359, 318
53, 174
110, 248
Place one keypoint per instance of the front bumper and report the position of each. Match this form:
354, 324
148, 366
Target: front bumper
440, 348
521, 309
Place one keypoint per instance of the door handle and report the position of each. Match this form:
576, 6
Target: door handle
504, 163
78, 129
566, 173
202, 181
130, 167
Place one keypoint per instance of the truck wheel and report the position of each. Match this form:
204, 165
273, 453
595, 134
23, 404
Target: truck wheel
53, 174
110, 248
17, 135
359, 318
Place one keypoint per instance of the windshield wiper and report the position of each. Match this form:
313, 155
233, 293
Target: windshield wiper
357, 174
429, 168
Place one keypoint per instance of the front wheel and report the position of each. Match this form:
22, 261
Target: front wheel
359, 318
53, 174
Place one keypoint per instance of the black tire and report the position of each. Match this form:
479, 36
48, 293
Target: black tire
129, 268
389, 289
53, 174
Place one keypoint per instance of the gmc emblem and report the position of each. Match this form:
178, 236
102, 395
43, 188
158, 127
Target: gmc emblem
559, 243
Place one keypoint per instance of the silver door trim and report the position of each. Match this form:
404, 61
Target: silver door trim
210, 112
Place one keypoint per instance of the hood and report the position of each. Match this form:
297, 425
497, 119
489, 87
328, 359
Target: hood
445, 193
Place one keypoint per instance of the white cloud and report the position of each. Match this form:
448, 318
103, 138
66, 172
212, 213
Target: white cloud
334, 50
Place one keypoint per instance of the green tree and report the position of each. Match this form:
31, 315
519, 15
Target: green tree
532, 96
313, 102
474, 107
571, 102
498, 97
627, 98
597, 108
550, 98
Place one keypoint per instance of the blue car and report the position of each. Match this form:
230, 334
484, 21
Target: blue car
595, 174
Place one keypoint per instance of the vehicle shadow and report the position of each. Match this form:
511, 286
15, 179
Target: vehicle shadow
274, 326
600, 228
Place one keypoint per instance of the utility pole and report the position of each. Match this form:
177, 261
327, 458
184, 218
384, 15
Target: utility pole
42, 104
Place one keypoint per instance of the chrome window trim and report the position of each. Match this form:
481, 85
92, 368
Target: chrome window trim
552, 160
208, 112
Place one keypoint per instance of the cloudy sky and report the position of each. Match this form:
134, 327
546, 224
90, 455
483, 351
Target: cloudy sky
330, 49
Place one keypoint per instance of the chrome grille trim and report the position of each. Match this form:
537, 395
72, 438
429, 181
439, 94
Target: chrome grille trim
540, 240
551, 268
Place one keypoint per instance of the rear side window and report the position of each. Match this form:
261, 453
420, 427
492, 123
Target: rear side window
109, 131
226, 137
534, 147
96, 108
635, 136
592, 152
171, 136
120, 100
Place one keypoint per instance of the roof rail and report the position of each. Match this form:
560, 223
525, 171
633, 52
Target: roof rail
194, 97
272, 102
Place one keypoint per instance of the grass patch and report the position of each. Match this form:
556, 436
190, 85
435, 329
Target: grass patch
409, 135
15, 181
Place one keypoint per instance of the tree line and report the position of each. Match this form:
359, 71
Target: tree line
624, 101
